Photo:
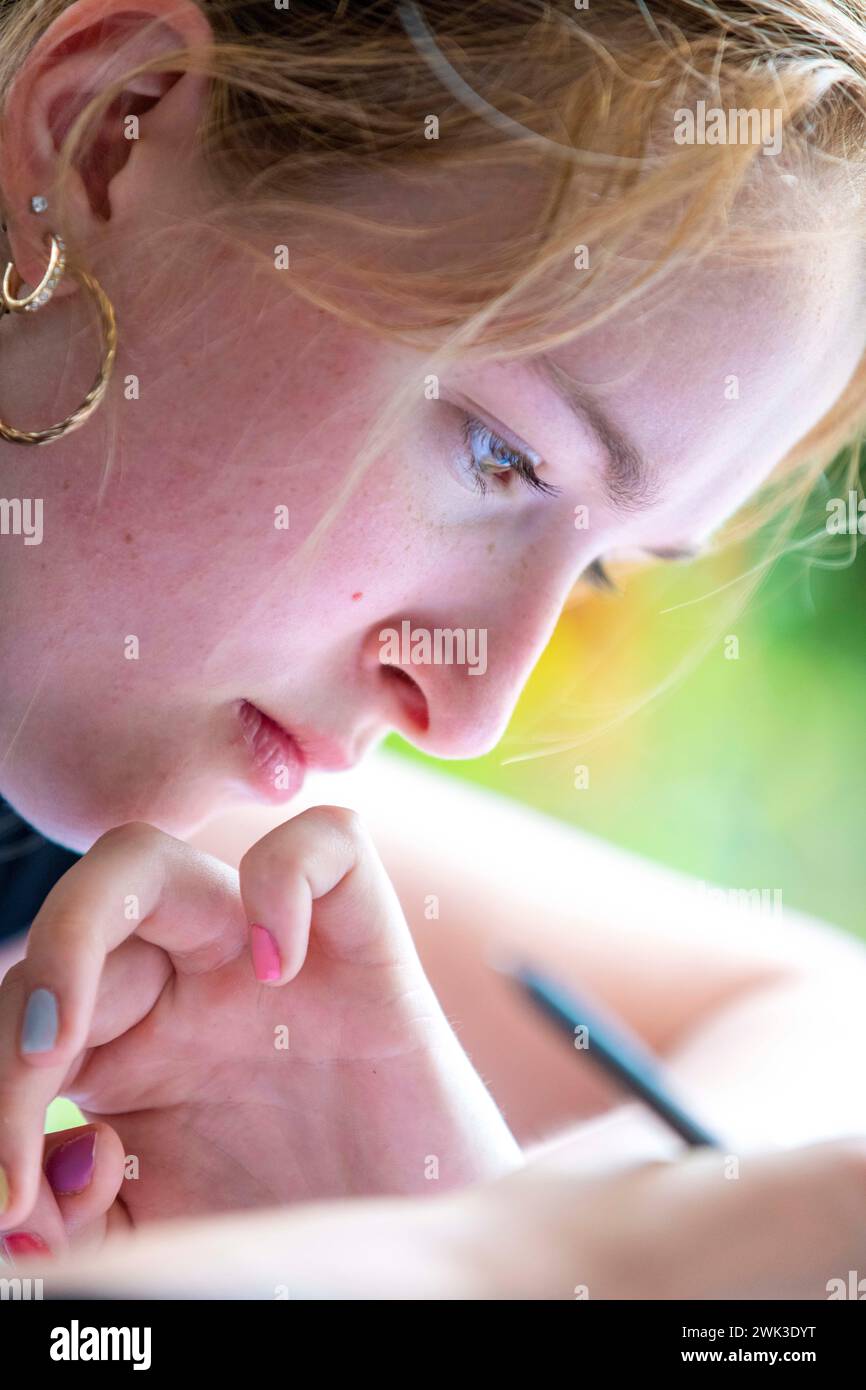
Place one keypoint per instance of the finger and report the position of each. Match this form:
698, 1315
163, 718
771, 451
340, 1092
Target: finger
134, 879
320, 869
82, 1174
39, 1235
84, 1168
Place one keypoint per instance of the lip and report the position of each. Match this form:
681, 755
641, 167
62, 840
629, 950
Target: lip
277, 765
281, 758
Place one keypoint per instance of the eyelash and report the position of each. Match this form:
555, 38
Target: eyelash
596, 575
515, 462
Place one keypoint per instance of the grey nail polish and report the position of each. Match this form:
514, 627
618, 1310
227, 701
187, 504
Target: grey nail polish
39, 1030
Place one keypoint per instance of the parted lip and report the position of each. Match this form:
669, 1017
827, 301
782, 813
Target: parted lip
276, 765
313, 750
257, 725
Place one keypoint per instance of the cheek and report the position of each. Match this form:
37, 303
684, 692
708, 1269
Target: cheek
247, 586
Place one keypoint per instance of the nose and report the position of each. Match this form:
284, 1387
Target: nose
450, 688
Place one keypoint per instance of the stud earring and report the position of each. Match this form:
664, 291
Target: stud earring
50, 280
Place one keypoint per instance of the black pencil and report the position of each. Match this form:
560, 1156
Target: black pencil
614, 1048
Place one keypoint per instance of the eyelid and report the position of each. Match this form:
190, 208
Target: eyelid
521, 468
497, 427
597, 576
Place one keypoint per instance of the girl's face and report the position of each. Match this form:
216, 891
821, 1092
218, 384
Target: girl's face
161, 615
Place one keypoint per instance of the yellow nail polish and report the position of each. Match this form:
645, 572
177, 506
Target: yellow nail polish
4, 1190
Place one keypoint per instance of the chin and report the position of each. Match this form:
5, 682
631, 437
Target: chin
76, 822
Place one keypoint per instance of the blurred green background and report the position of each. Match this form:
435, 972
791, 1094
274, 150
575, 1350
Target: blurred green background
747, 770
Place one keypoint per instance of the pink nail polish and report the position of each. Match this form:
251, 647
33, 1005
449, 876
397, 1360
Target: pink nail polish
21, 1244
266, 957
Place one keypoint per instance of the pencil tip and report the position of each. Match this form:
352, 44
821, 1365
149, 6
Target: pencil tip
504, 964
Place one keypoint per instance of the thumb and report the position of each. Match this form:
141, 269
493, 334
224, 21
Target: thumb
82, 1172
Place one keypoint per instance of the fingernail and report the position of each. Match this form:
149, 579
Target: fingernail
4, 1190
39, 1029
266, 957
21, 1244
70, 1166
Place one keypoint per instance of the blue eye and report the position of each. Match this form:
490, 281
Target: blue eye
491, 457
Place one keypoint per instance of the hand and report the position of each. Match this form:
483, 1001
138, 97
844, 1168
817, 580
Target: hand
338, 1075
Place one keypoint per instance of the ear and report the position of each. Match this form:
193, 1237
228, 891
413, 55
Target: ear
126, 167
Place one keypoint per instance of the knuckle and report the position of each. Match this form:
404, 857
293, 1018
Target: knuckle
314, 835
133, 832
343, 836
134, 837
345, 820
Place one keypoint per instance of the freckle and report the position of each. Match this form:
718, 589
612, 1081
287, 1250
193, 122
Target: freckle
359, 594
491, 546
128, 537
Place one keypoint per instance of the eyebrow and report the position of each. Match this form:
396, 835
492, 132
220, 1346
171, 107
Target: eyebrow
629, 482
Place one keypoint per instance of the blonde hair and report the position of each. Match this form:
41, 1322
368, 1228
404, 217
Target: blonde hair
307, 103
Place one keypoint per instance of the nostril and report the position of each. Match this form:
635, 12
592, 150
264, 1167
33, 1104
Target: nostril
410, 694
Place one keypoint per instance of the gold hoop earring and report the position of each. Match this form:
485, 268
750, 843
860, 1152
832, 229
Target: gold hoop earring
36, 300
